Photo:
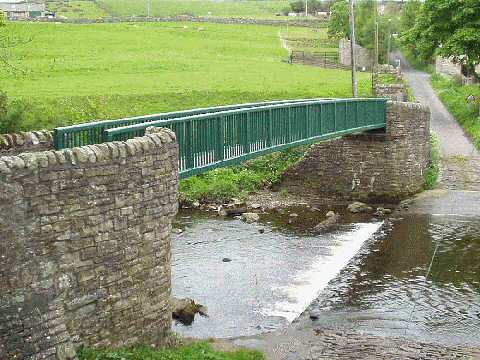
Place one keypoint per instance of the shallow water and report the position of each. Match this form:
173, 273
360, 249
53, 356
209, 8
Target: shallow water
418, 276
420, 279
271, 278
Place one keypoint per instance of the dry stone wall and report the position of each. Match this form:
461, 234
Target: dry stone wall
85, 246
373, 166
363, 57
395, 92
14, 144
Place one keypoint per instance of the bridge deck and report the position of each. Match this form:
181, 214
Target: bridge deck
222, 136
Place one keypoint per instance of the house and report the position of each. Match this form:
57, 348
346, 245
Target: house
15, 11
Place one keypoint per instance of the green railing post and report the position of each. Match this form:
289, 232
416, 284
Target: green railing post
246, 128
189, 145
269, 128
220, 148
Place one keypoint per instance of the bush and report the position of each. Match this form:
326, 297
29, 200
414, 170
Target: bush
12, 115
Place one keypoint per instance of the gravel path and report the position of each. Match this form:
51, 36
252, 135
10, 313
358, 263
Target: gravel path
460, 159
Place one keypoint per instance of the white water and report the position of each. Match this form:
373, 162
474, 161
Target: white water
308, 284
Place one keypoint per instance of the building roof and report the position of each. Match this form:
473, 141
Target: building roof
21, 7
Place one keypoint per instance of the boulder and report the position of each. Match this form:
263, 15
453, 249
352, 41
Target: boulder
328, 223
359, 207
184, 310
250, 218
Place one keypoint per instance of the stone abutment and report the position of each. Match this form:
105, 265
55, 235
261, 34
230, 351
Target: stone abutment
85, 244
373, 166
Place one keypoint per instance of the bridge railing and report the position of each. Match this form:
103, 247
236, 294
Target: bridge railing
224, 138
93, 132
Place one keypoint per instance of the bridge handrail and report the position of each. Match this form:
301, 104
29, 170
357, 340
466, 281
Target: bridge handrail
93, 132
222, 138
110, 134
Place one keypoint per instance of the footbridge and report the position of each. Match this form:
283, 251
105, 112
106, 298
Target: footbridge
86, 212
220, 136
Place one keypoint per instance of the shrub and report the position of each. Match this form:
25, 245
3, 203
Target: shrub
12, 115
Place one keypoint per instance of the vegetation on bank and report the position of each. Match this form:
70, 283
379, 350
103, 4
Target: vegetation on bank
433, 170
197, 351
221, 185
107, 71
454, 96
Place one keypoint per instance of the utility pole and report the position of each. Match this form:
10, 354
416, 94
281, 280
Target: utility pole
389, 40
306, 8
352, 48
148, 8
376, 36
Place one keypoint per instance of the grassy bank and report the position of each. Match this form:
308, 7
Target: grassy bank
433, 170
225, 8
79, 73
197, 351
223, 184
454, 97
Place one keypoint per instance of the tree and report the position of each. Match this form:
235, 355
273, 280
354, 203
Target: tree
450, 28
338, 26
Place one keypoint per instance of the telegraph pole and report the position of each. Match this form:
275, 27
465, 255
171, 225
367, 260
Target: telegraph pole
148, 8
352, 48
376, 35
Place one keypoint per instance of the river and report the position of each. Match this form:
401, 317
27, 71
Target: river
415, 275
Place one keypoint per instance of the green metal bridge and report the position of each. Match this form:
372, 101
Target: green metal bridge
220, 136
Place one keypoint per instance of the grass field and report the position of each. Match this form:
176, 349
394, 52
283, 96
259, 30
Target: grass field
75, 9
225, 8
454, 97
78, 73
309, 39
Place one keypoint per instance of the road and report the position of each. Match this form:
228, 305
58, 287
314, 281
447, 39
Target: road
460, 159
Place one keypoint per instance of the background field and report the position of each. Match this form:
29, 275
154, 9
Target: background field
225, 8
81, 73
75, 9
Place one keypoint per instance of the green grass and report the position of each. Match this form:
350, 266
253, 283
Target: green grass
309, 40
454, 97
223, 184
433, 170
76, 9
79, 73
225, 8
197, 351
387, 79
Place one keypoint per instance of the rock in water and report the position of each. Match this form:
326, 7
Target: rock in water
184, 310
250, 218
226, 260
359, 207
328, 223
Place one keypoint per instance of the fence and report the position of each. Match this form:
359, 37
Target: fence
222, 138
326, 59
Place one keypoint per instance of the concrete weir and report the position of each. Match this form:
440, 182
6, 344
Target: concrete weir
85, 244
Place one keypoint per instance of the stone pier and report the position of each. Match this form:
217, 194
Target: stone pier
85, 244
